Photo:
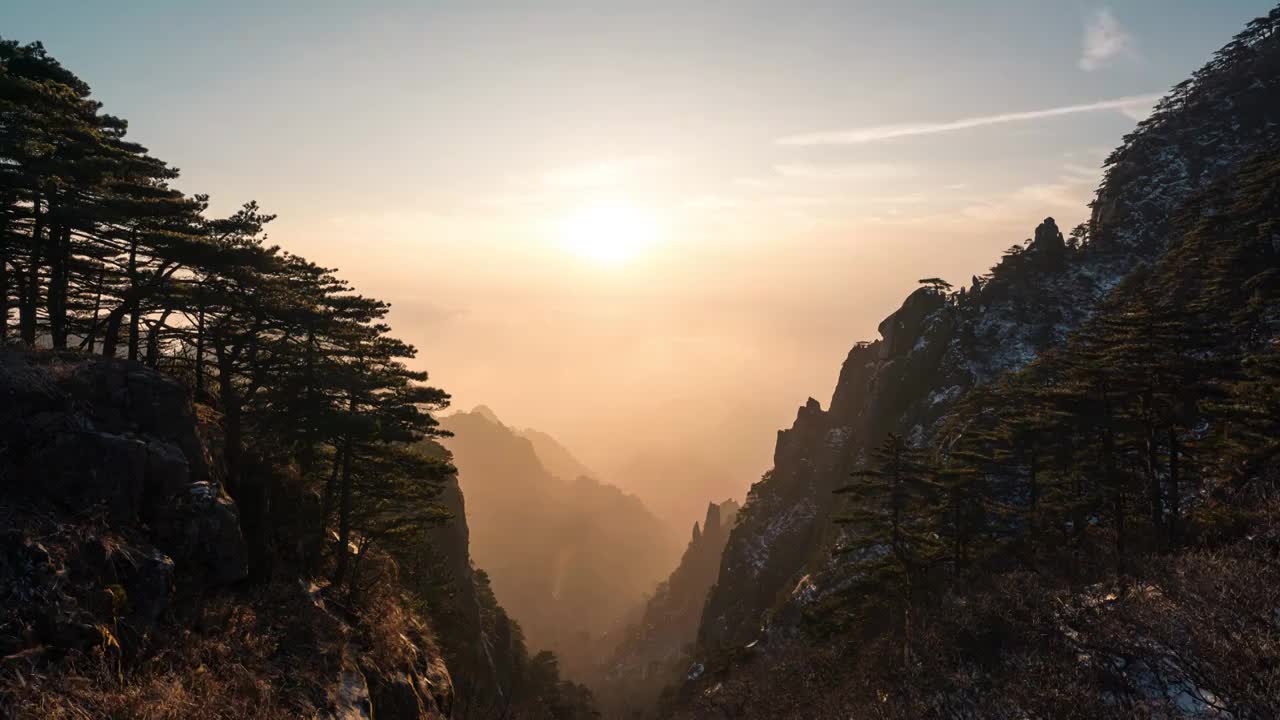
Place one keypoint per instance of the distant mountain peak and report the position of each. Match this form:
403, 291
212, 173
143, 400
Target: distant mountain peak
556, 457
488, 414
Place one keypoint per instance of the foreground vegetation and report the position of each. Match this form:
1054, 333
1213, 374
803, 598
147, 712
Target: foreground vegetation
324, 431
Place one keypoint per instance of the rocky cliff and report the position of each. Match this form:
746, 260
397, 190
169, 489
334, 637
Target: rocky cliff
122, 564
657, 649
108, 461
938, 346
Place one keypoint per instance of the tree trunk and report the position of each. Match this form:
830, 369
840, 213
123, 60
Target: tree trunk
1077, 520
341, 554
1155, 495
91, 337
29, 286
1114, 483
1175, 492
4, 278
326, 506
307, 453
21, 289
59, 280
353, 593
133, 291
153, 340
906, 633
200, 351
1118, 509
229, 401
1033, 480
111, 334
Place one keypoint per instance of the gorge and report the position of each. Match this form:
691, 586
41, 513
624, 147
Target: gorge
227, 490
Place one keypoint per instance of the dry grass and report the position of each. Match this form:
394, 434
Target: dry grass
268, 655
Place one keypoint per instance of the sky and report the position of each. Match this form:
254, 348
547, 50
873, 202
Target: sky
651, 229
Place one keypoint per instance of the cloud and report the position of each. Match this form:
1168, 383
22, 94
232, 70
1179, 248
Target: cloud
1104, 39
602, 174
858, 171
878, 133
1070, 191
712, 202
1138, 111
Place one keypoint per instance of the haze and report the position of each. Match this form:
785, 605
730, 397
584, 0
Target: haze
649, 230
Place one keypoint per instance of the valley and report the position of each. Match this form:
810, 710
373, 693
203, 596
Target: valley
230, 489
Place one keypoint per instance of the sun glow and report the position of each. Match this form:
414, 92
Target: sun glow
609, 234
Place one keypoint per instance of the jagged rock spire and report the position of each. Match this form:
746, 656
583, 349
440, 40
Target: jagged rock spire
1048, 240
712, 522
1048, 230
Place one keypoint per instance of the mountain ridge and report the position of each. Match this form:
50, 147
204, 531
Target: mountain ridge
928, 357
550, 544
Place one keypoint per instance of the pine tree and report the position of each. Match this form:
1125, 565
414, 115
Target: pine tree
1250, 436
889, 533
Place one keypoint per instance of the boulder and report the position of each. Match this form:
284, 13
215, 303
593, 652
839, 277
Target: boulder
396, 698
149, 585
83, 469
168, 470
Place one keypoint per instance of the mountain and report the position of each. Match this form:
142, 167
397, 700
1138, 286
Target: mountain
1177, 174
655, 650
555, 457
568, 557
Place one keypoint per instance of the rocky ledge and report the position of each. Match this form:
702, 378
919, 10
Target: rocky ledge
109, 502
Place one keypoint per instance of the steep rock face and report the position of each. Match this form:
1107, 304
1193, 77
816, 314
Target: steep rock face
474, 656
655, 651
95, 436
933, 350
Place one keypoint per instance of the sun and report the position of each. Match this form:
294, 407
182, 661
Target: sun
609, 233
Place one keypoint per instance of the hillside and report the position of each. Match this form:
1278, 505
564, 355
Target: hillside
555, 457
1186, 210
554, 547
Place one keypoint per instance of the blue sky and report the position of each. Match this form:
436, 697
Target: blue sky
459, 92
799, 164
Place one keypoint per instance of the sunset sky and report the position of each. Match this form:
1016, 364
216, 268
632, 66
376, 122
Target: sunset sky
651, 229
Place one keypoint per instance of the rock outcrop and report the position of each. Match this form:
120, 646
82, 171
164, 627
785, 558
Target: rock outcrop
103, 461
657, 649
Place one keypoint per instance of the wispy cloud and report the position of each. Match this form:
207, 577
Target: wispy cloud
1070, 191
1104, 39
1139, 111
712, 202
856, 171
878, 133
603, 174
